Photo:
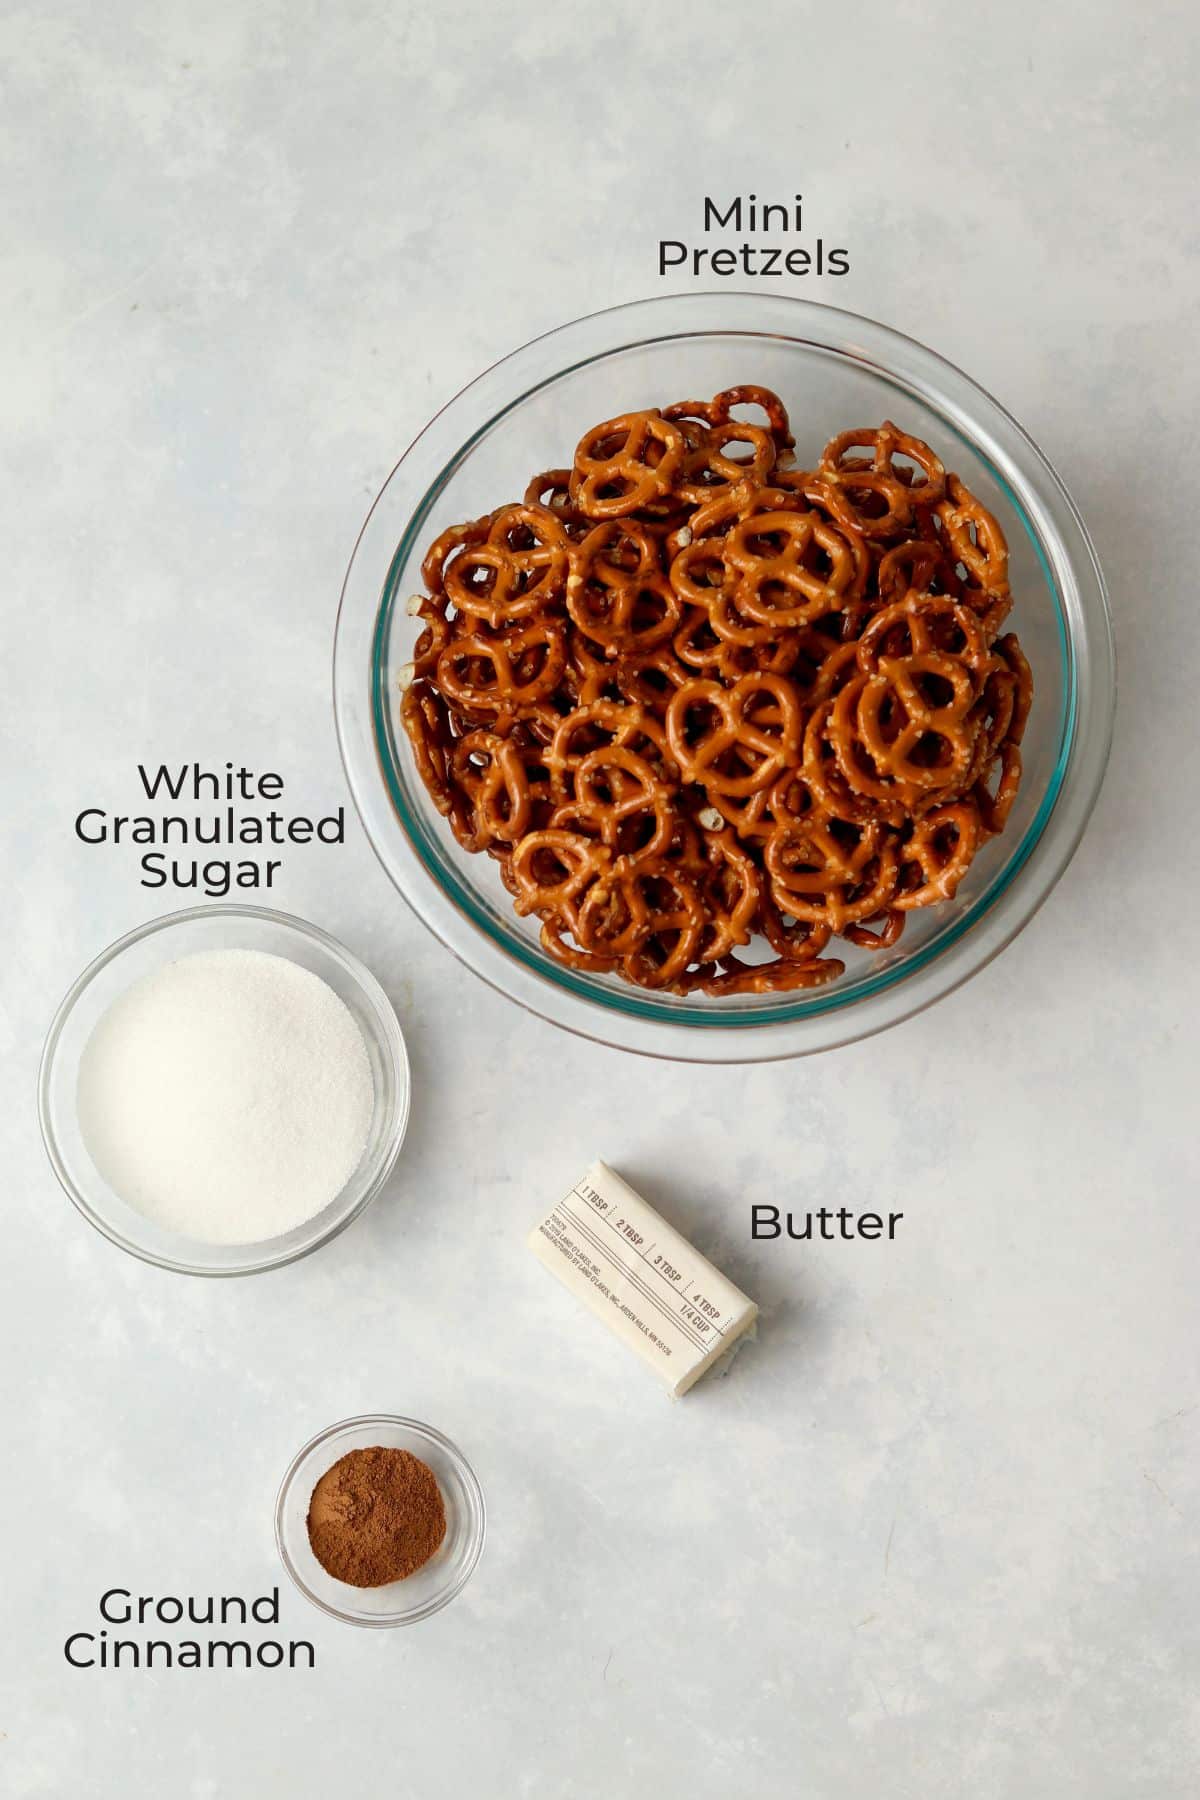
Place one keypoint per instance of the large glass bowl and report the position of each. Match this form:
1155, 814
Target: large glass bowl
834, 370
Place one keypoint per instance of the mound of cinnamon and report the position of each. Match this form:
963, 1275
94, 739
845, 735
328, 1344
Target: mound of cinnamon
376, 1516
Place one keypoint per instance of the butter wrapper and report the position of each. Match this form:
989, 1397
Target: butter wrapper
653, 1290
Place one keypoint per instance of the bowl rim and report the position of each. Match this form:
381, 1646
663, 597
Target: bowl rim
1075, 581
390, 1038
478, 1530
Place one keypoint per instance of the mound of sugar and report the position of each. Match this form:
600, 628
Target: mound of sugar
226, 1096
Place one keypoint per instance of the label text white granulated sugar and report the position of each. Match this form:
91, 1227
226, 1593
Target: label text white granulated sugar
227, 1096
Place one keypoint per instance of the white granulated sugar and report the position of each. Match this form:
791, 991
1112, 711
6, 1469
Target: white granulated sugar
227, 1096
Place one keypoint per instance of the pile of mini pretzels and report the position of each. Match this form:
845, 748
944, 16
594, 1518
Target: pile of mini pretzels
691, 697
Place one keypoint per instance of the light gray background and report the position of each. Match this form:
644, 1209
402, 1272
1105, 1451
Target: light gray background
937, 1534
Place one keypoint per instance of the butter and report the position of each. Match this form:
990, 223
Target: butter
654, 1291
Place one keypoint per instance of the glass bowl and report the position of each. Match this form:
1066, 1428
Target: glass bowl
833, 370
428, 1588
180, 934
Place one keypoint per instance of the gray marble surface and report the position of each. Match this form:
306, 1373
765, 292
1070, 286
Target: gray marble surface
936, 1534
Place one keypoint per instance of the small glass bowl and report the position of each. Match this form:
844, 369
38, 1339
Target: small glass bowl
428, 1588
149, 947
834, 370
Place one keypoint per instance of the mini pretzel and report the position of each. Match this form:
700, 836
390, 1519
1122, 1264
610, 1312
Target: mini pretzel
779, 977
732, 888
995, 802
879, 932
746, 746
500, 779
616, 919
708, 467
792, 939
882, 495
679, 924
552, 490
921, 623
432, 640
937, 856
553, 942
795, 552
553, 869
975, 539
445, 545
489, 672
1010, 650
760, 565
825, 777
625, 464
604, 722
426, 722
907, 728
519, 568
615, 592
614, 786
911, 571
708, 711
688, 413
831, 873
722, 405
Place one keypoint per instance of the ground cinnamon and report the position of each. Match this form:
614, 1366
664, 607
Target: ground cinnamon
376, 1516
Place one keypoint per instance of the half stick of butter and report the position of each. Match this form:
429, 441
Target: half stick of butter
634, 1271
